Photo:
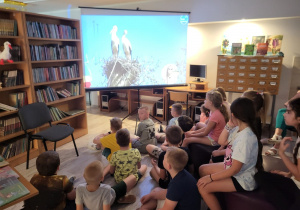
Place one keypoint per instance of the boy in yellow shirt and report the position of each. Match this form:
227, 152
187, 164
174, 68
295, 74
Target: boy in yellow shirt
107, 141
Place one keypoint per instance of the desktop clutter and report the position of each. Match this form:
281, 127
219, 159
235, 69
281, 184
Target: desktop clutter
184, 165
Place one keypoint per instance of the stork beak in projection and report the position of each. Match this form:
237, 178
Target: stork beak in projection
10, 46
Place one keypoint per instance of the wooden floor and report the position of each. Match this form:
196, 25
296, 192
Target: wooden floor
98, 122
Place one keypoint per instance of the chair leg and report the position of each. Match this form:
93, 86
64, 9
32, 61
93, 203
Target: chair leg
28, 151
45, 145
55, 146
74, 145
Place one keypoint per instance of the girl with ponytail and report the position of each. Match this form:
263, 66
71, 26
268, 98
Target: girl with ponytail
209, 133
283, 188
242, 160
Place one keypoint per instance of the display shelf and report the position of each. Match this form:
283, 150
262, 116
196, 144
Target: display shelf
13, 135
14, 87
7, 113
18, 159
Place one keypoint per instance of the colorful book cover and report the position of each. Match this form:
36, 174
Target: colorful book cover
274, 42
249, 49
258, 39
7, 172
262, 48
236, 49
11, 189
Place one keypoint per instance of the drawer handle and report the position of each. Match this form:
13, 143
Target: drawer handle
241, 81
264, 68
274, 68
274, 76
223, 59
262, 83
221, 80
231, 81
232, 67
222, 67
252, 67
242, 67
263, 75
273, 83
240, 88
250, 88
232, 60
231, 74
275, 61
242, 60
265, 60
251, 75
253, 60
241, 74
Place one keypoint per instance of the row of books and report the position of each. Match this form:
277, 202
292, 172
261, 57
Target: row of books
74, 88
15, 147
52, 52
64, 93
46, 94
18, 100
55, 73
8, 27
53, 31
10, 78
7, 107
9, 126
57, 114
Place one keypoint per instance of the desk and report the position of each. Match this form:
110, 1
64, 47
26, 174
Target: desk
32, 191
196, 95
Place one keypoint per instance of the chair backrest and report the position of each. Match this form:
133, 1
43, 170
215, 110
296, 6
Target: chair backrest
179, 97
34, 115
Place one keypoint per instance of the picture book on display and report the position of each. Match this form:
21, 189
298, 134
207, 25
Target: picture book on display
236, 49
249, 48
262, 48
11, 189
7, 172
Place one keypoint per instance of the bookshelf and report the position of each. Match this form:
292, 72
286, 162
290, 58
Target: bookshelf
59, 64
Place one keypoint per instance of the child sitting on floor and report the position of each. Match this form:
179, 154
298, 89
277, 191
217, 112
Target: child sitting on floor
96, 196
182, 193
176, 112
158, 172
55, 191
145, 132
126, 161
185, 123
107, 141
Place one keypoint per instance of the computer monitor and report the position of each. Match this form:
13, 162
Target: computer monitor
198, 71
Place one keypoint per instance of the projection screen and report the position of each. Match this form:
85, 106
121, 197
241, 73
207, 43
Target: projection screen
133, 48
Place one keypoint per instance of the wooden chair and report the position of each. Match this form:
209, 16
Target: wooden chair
37, 114
178, 97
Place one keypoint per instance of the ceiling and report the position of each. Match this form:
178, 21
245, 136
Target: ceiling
41, 6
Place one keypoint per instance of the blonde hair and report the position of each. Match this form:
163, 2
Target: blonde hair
145, 108
177, 158
222, 91
93, 173
261, 102
177, 108
217, 100
116, 123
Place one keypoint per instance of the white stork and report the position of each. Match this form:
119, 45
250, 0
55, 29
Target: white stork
126, 46
5, 54
114, 42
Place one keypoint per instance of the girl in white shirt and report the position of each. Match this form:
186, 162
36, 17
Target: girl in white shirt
283, 188
242, 159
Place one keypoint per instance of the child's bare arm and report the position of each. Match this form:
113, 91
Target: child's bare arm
112, 169
106, 207
218, 152
79, 206
211, 125
139, 165
169, 205
164, 146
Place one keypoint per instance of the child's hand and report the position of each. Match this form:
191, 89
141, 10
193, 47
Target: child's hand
189, 133
282, 173
283, 146
145, 198
154, 162
216, 153
202, 182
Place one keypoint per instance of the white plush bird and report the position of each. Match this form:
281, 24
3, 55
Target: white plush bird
5, 55
114, 42
126, 46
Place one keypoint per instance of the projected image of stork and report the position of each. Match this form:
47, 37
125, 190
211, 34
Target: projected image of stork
114, 42
126, 46
170, 73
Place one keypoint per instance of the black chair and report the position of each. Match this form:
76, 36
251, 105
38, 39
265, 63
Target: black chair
37, 114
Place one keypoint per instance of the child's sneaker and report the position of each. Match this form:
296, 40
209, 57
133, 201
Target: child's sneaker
275, 139
93, 146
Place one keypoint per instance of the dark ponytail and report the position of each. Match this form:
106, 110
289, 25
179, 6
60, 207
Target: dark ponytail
295, 106
244, 110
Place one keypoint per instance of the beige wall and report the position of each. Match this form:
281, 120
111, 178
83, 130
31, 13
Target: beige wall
204, 41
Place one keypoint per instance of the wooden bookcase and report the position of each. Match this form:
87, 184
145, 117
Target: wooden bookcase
78, 121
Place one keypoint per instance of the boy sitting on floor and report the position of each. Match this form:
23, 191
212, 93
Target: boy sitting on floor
176, 112
126, 161
96, 196
158, 172
145, 132
185, 123
107, 141
55, 191
182, 192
